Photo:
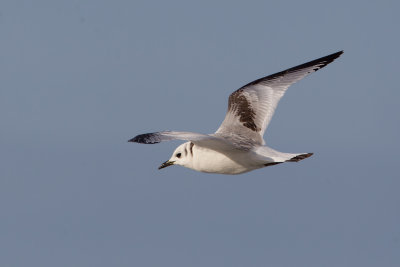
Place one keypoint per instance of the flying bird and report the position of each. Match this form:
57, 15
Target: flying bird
238, 145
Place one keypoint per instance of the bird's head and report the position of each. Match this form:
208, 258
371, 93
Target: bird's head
182, 155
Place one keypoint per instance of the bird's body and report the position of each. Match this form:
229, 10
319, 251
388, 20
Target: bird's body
238, 145
204, 159
235, 161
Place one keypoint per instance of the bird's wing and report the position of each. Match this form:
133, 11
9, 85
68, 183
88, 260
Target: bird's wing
205, 140
251, 107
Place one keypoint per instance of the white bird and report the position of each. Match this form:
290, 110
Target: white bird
238, 145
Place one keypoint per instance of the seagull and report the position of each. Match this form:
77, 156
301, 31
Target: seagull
238, 145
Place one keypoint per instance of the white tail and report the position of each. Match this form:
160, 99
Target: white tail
279, 157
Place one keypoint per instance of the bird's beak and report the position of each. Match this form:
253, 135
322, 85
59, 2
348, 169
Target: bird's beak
166, 164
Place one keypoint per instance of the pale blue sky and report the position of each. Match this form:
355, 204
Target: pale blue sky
80, 78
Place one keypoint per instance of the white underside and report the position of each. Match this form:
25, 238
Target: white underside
234, 162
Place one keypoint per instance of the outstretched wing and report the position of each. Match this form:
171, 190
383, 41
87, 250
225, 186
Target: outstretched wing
205, 140
251, 107
157, 137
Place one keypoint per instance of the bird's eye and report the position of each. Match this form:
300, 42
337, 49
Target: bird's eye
178, 155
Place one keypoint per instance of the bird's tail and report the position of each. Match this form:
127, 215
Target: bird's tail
299, 157
274, 157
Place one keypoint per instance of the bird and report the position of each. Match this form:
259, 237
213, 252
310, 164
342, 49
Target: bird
238, 145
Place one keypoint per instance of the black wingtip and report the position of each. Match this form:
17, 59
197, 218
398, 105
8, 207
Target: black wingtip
320, 62
323, 61
148, 138
333, 56
338, 53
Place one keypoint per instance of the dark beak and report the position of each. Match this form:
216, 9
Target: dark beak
166, 164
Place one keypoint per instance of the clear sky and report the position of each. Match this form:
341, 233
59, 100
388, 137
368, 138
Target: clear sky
80, 78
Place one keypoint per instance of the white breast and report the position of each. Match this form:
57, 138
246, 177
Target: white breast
211, 161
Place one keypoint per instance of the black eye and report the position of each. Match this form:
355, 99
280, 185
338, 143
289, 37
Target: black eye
178, 155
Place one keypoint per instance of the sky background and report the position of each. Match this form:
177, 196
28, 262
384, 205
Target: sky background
80, 78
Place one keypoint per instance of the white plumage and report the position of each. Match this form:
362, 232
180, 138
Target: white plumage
238, 145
